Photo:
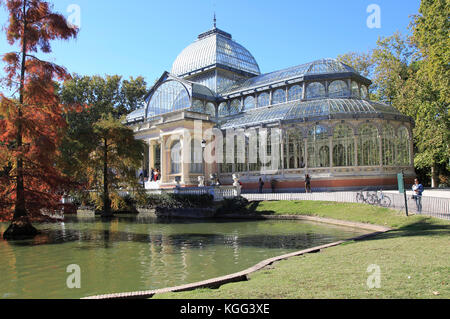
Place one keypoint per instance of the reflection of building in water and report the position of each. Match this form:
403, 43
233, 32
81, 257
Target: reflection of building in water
330, 128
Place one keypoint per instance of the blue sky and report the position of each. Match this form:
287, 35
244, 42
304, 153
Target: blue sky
144, 37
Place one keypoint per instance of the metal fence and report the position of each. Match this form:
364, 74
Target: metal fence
431, 206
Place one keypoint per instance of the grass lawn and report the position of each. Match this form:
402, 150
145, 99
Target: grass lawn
414, 260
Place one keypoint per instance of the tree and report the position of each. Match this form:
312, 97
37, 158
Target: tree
30, 128
103, 95
431, 29
114, 160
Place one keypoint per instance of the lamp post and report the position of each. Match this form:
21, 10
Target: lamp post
203, 158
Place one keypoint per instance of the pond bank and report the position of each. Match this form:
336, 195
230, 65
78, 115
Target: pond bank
412, 258
216, 283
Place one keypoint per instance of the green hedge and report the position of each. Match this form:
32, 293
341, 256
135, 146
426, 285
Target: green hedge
173, 201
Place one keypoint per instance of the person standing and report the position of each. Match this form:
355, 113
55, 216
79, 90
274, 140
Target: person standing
261, 185
417, 194
308, 183
152, 175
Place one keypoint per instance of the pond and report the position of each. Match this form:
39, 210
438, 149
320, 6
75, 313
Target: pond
133, 254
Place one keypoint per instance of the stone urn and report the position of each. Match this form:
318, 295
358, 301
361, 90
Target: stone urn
178, 181
201, 181
236, 180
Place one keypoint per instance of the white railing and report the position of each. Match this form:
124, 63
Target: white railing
218, 192
431, 206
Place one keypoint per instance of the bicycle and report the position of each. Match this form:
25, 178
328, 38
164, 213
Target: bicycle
360, 198
380, 199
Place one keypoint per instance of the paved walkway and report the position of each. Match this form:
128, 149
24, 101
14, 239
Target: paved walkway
441, 193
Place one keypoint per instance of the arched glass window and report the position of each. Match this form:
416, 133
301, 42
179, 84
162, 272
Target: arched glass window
210, 109
364, 92
263, 99
338, 89
249, 103
235, 106
355, 89
295, 93
388, 145
318, 147
368, 146
223, 109
343, 146
315, 90
196, 157
175, 158
403, 147
279, 96
168, 97
293, 150
197, 106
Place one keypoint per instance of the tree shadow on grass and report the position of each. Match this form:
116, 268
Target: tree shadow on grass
423, 227
252, 209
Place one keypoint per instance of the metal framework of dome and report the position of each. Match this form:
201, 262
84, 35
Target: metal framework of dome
215, 48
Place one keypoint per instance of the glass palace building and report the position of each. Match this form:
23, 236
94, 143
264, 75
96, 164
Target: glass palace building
330, 129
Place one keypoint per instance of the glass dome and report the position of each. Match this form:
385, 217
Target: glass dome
212, 48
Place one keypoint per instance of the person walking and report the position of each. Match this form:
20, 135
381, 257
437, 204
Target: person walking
261, 185
308, 183
417, 194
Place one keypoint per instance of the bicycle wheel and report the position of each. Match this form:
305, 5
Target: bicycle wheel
386, 201
372, 199
359, 198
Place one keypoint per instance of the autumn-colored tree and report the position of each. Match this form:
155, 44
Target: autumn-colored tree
31, 119
113, 161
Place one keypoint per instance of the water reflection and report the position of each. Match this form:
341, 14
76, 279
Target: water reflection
129, 254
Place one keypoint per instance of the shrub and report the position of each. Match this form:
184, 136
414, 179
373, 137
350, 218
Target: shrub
173, 200
234, 205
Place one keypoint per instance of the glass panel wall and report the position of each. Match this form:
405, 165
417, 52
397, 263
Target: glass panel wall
388, 144
355, 89
368, 146
315, 90
263, 99
279, 96
223, 109
168, 97
197, 106
293, 150
295, 93
318, 147
343, 146
210, 109
364, 92
249, 103
235, 106
338, 89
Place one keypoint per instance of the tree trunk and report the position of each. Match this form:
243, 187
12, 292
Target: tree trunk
21, 226
434, 176
106, 200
